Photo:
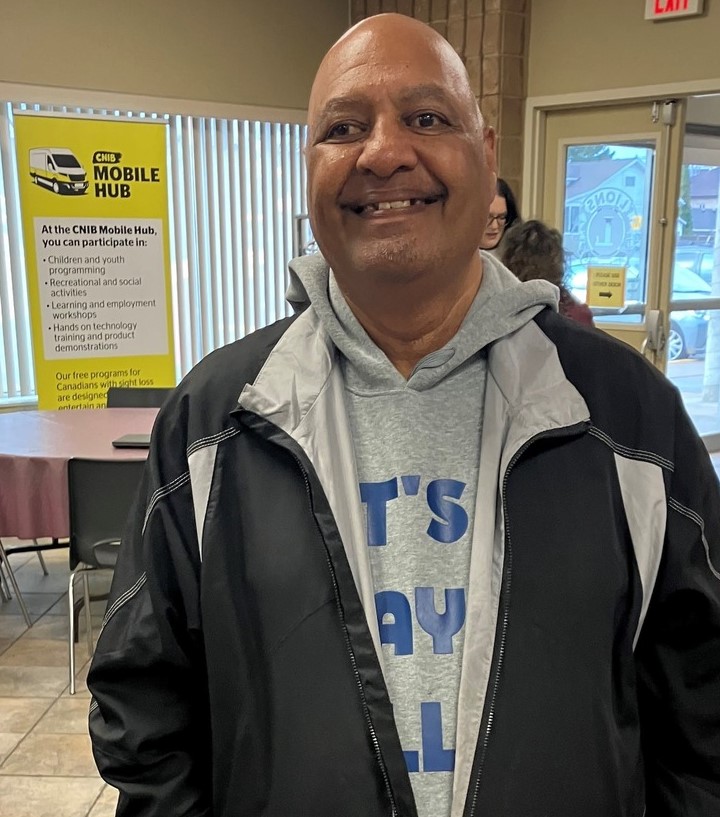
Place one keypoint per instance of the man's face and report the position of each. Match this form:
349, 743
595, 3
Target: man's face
400, 172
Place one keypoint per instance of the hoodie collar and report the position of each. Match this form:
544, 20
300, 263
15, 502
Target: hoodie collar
502, 305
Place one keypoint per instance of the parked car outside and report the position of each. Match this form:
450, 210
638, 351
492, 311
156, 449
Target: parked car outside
688, 328
697, 258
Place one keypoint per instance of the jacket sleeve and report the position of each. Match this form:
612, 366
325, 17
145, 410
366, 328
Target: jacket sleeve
149, 720
678, 653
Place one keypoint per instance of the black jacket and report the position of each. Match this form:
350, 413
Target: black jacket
236, 674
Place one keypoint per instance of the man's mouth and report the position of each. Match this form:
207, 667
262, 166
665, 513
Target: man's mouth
398, 204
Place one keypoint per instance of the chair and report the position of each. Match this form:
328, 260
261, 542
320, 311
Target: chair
6, 567
5, 594
101, 494
137, 397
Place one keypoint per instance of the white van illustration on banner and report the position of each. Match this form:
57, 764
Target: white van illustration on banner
58, 169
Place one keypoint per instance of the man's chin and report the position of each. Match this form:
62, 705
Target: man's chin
388, 263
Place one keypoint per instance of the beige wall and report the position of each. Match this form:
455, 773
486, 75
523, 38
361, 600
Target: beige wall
586, 45
252, 52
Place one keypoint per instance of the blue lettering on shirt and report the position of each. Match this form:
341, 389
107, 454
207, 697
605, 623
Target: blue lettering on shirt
412, 761
376, 495
399, 631
411, 485
454, 517
435, 757
442, 495
441, 626
448, 524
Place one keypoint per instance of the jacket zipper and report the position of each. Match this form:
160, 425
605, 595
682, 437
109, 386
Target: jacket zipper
348, 646
507, 583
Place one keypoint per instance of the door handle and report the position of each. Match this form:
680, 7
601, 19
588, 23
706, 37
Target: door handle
656, 335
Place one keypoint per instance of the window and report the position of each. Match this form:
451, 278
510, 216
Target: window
235, 188
572, 219
629, 181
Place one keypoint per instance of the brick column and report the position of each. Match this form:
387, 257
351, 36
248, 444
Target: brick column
490, 36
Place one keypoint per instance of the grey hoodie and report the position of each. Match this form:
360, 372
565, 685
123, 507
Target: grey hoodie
417, 450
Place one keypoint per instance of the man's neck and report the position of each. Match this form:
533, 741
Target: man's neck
408, 324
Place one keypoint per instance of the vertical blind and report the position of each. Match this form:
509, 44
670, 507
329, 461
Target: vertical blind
236, 197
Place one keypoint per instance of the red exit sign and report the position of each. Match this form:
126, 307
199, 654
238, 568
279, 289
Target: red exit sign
669, 9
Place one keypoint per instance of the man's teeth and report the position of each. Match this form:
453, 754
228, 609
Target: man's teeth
393, 205
390, 205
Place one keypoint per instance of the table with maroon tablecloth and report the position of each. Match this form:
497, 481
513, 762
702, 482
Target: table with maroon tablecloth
35, 447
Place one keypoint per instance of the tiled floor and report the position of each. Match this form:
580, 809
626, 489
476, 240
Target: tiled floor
46, 766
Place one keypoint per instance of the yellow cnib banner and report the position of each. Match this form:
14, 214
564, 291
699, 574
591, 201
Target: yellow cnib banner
94, 199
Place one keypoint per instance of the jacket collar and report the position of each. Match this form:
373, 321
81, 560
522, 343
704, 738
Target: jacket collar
524, 367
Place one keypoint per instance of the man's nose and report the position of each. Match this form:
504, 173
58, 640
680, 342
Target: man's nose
387, 149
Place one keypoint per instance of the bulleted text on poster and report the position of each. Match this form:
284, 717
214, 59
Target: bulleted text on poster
102, 287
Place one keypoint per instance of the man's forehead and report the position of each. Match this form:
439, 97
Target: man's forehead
359, 76
405, 95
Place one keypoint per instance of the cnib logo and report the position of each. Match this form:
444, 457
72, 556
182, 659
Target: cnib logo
106, 157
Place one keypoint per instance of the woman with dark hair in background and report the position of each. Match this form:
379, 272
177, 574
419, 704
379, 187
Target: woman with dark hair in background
503, 214
533, 250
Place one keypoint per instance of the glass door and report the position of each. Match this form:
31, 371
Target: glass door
608, 182
693, 349
640, 246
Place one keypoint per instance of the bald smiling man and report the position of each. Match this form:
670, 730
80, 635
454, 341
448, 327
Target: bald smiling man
426, 549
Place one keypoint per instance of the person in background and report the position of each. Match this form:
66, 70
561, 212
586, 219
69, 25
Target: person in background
534, 251
503, 215
426, 549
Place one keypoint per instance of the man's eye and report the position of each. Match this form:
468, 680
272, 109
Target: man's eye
427, 120
343, 130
